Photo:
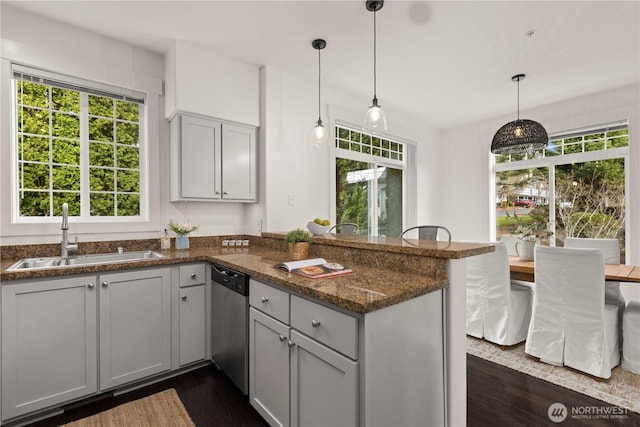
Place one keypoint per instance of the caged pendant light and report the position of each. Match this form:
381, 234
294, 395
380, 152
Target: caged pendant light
319, 135
375, 119
520, 136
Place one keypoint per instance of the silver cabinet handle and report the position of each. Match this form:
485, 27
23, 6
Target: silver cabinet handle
315, 323
291, 344
193, 275
225, 192
217, 192
282, 338
264, 300
91, 285
184, 297
105, 284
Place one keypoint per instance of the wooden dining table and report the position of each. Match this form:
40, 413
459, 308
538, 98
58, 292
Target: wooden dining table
525, 270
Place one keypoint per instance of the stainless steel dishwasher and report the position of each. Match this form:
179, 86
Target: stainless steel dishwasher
231, 324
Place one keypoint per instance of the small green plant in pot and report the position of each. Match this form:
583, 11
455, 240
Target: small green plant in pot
299, 241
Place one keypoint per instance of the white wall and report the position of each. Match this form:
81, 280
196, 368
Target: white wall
466, 163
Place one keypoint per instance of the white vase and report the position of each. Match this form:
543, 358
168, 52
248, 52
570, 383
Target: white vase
182, 241
525, 248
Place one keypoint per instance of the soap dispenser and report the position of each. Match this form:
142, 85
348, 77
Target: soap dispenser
165, 241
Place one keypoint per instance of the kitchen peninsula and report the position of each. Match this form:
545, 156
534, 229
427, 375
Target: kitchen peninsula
407, 296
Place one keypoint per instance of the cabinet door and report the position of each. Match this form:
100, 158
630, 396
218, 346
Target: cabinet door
238, 162
200, 159
48, 343
192, 326
269, 368
135, 325
323, 385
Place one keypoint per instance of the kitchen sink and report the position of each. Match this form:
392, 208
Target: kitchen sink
55, 262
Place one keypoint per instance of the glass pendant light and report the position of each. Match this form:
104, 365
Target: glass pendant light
520, 136
319, 135
376, 120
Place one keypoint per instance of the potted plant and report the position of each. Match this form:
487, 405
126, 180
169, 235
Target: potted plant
530, 232
299, 241
182, 231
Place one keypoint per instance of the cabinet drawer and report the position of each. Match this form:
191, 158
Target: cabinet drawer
192, 274
269, 300
330, 327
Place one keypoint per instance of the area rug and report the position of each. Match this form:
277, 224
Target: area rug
622, 389
160, 409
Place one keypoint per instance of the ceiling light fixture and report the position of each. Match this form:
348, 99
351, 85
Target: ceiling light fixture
520, 136
376, 119
319, 134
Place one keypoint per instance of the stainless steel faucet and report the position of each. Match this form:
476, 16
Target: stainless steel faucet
65, 246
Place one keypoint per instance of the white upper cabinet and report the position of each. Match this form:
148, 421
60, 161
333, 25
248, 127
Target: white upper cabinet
212, 160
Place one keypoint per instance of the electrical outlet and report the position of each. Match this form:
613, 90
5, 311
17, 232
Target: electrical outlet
260, 225
292, 199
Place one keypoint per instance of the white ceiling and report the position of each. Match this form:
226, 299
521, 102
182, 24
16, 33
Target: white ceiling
448, 62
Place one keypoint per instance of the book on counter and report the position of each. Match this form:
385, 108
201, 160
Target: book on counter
314, 268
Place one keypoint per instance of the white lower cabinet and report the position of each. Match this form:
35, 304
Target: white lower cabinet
135, 325
269, 360
192, 325
324, 387
295, 380
49, 331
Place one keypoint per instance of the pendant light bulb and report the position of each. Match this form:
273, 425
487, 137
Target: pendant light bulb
319, 135
375, 120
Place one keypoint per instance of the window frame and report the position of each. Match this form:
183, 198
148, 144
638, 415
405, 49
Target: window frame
376, 161
86, 87
551, 162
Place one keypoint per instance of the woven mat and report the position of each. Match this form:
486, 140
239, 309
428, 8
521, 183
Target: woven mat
160, 409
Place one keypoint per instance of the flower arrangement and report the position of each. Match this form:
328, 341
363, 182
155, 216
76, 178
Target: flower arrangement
182, 228
535, 229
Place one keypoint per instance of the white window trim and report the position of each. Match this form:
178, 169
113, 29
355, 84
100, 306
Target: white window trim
143, 152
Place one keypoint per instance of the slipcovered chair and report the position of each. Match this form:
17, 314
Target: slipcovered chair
345, 228
611, 252
631, 341
427, 232
496, 311
570, 324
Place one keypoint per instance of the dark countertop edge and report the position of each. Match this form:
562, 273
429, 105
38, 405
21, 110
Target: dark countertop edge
212, 255
427, 248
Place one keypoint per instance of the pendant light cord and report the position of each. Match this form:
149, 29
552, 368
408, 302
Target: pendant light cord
374, 55
319, 116
518, 99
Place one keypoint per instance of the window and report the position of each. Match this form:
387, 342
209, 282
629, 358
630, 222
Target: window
369, 182
581, 174
76, 143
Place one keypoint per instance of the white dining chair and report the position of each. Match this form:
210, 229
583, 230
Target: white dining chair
496, 311
611, 252
510, 241
570, 323
631, 341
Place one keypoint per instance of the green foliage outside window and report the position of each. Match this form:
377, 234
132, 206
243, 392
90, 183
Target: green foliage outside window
49, 152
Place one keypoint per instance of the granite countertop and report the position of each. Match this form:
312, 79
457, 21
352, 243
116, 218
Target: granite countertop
366, 289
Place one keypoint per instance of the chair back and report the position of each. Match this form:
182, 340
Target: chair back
427, 232
493, 312
345, 228
568, 319
610, 247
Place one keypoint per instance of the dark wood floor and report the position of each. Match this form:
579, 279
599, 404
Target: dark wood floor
497, 396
